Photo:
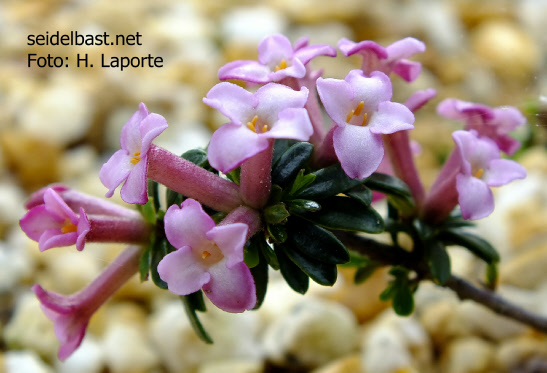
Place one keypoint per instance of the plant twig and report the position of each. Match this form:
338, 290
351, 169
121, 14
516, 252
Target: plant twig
392, 255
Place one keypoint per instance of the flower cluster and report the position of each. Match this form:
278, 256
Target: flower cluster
273, 183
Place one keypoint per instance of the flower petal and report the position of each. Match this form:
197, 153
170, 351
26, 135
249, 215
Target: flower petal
404, 48
182, 272
306, 54
82, 230
273, 98
419, 99
115, 171
337, 97
233, 101
232, 144
408, 70
151, 127
372, 90
56, 238
231, 289
130, 138
295, 70
503, 171
36, 221
134, 189
391, 117
187, 225
292, 124
58, 209
364, 47
358, 150
230, 239
247, 70
475, 197
273, 49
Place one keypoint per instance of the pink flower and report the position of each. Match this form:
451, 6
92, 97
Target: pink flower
392, 58
362, 111
277, 59
494, 123
129, 164
208, 257
274, 111
54, 224
71, 314
481, 168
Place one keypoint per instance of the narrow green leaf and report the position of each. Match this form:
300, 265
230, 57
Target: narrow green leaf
196, 301
301, 206
316, 242
173, 198
363, 273
344, 214
260, 275
280, 147
387, 184
153, 192
250, 254
439, 261
492, 276
160, 249
235, 175
194, 320
356, 260
144, 264
388, 292
293, 275
301, 182
148, 211
477, 245
403, 299
291, 162
328, 182
278, 233
267, 252
275, 214
360, 193
321, 272
196, 156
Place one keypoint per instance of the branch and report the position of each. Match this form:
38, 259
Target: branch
392, 255
466, 290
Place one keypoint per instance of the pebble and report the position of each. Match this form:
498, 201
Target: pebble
249, 25
312, 333
24, 362
527, 270
88, 358
347, 364
467, 355
518, 351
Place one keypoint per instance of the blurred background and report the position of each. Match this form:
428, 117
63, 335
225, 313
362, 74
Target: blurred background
62, 124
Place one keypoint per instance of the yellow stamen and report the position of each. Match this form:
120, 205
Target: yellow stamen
252, 124
479, 173
364, 122
282, 65
69, 228
264, 128
359, 108
136, 158
350, 115
205, 255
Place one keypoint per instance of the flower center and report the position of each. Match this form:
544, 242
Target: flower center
282, 65
479, 173
256, 127
68, 227
136, 158
357, 112
211, 254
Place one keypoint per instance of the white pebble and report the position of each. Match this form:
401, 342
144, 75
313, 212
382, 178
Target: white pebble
88, 358
24, 362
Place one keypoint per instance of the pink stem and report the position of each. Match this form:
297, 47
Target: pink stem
256, 178
244, 215
110, 229
186, 178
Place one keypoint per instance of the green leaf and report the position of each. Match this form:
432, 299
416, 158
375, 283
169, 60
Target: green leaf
260, 241
492, 276
388, 292
301, 182
196, 301
356, 260
293, 275
160, 249
280, 147
403, 299
194, 320
235, 175
153, 193
173, 198
301, 206
387, 184
250, 254
144, 264
260, 275
278, 233
344, 214
328, 182
477, 245
363, 273
323, 273
275, 214
316, 242
439, 261
148, 211
360, 193
196, 156
291, 162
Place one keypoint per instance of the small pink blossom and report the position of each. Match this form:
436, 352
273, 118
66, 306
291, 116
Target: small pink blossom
129, 164
361, 108
274, 111
277, 59
70, 314
208, 257
54, 224
494, 123
481, 168
392, 58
